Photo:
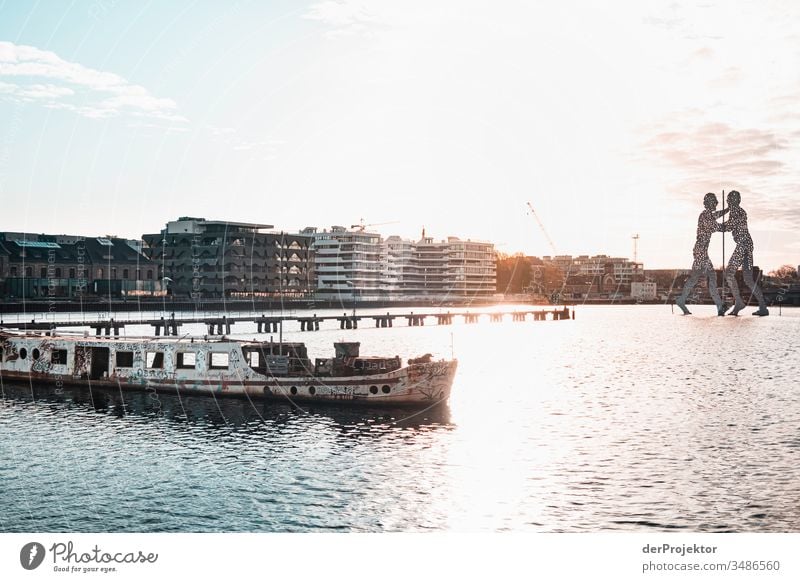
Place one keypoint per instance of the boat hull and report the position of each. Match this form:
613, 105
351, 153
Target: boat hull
419, 384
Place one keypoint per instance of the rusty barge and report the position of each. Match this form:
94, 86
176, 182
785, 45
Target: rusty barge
225, 367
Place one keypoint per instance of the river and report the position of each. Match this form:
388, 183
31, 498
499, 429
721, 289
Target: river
628, 418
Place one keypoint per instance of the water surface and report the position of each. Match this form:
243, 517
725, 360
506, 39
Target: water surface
628, 418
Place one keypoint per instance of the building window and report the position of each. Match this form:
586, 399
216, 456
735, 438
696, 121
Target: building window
113, 272
219, 361
149, 274
43, 272
13, 271
99, 273
187, 360
72, 273
124, 359
58, 272
29, 271
155, 360
124, 273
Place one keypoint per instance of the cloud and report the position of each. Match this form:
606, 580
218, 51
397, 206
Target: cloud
30, 74
219, 131
711, 156
730, 77
718, 147
344, 17
703, 53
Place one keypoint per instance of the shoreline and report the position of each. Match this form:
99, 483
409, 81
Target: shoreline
184, 306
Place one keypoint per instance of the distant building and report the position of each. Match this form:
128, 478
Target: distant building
347, 263
668, 281
622, 269
397, 260
472, 268
598, 276
217, 258
644, 290
38, 266
356, 264
452, 268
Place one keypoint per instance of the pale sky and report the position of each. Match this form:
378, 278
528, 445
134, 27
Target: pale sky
118, 116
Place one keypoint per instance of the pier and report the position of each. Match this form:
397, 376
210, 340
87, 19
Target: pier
218, 326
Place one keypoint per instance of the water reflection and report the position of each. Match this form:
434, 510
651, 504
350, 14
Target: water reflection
224, 412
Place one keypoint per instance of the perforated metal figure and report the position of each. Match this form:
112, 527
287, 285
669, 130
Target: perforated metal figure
742, 256
702, 266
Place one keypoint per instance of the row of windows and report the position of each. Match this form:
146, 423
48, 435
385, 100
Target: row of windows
185, 360
56, 356
153, 360
238, 242
58, 273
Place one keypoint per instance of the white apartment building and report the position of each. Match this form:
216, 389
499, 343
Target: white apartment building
396, 260
347, 263
451, 268
472, 268
360, 265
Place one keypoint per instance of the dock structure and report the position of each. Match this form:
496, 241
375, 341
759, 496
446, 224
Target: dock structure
219, 326
384, 320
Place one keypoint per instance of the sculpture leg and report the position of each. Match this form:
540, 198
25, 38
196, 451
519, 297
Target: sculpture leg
711, 278
687, 288
747, 272
730, 276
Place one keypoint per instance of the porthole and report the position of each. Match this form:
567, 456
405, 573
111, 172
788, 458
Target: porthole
385, 389
23, 353
373, 389
293, 390
312, 390
35, 353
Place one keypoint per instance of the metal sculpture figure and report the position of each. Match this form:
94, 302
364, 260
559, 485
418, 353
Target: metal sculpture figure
742, 256
702, 266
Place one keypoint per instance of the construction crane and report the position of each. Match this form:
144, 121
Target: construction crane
635, 247
555, 297
361, 226
544, 231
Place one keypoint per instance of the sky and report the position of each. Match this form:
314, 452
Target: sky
117, 116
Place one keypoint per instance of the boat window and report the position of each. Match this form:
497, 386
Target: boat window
36, 353
23, 353
219, 360
187, 360
253, 358
124, 359
385, 389
58, 357
155, 360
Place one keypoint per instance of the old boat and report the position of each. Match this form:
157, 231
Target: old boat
224, 366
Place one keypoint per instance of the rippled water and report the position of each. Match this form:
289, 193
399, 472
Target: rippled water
628, 418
